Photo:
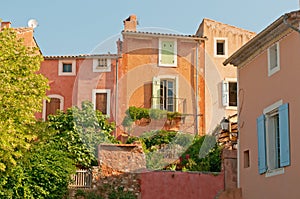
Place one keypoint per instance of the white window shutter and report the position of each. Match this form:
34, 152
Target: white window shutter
155, 93
225, 93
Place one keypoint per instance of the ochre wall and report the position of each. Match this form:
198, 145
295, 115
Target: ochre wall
140, 65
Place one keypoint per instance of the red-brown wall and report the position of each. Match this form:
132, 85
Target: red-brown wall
179, 185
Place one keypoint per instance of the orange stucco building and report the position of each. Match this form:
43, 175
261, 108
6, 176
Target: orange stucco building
162, 71
268, 71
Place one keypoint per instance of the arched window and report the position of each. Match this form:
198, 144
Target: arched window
50, 107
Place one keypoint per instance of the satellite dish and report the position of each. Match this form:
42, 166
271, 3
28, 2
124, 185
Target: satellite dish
32, 23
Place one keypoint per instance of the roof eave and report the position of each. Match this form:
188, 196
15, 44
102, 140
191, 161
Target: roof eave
260, 42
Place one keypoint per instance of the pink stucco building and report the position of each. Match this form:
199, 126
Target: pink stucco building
74, 79
268, 109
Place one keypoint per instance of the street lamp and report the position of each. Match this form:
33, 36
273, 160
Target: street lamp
225, 124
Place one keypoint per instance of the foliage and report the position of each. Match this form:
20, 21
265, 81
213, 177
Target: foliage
195, 153
135, 113
43, 172
203, 155
81, 131
119, 193
112, 193
21, 93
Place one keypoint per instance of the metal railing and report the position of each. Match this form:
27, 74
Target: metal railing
81, 179
170, 104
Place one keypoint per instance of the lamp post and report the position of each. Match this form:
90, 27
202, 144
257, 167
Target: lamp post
225, 124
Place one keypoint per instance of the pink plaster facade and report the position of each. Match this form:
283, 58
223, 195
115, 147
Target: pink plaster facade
78, 87
257, 91
179, 185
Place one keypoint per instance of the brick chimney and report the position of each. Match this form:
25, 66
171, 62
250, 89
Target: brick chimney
5, 24
130, 23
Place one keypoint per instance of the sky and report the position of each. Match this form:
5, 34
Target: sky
73, 27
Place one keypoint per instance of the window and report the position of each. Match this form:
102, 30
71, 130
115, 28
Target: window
50, 107
246, 159
167, 52
101, 65
164, 92
67, 67
273, 139
273, 59
101, 100
229, 93
220, 47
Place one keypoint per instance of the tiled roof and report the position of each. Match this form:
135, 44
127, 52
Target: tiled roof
157, 34
79, 56
258, 44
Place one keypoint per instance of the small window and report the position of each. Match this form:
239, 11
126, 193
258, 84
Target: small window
220, 47
246, 159
67, 67
229, 93
101, 65
273, 139
167, 52
273, 59
101, 100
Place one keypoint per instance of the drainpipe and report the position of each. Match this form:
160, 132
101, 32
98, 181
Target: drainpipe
117, 94
197, 80
289, 25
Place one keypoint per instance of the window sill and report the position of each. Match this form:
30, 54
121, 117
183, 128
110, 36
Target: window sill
168, 65
274, 172
67, 74
102, 69
231, 108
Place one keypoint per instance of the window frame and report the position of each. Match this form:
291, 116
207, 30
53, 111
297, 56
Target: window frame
108, 92
272, 70
61, 98
155, 104
225, 41
283, 139
226, 93
65, 61
160, 40
96, 67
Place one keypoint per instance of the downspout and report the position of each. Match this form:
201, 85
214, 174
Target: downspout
197, 86
289, 25
116, 95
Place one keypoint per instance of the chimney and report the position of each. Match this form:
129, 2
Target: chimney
5, 24
130, 23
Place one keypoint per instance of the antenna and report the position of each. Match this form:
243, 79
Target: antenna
32, 23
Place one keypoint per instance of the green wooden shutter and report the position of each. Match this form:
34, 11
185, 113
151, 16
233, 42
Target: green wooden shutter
261, 139
167, 52
156, 93
284, 135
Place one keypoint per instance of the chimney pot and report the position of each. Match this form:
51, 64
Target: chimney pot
130, 23
5, 24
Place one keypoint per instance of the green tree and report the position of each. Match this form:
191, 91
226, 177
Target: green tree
21, 93
82, 130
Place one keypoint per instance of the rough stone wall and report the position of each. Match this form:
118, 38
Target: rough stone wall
122, 157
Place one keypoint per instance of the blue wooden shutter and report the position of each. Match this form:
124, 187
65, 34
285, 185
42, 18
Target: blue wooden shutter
261, 138
284, 135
